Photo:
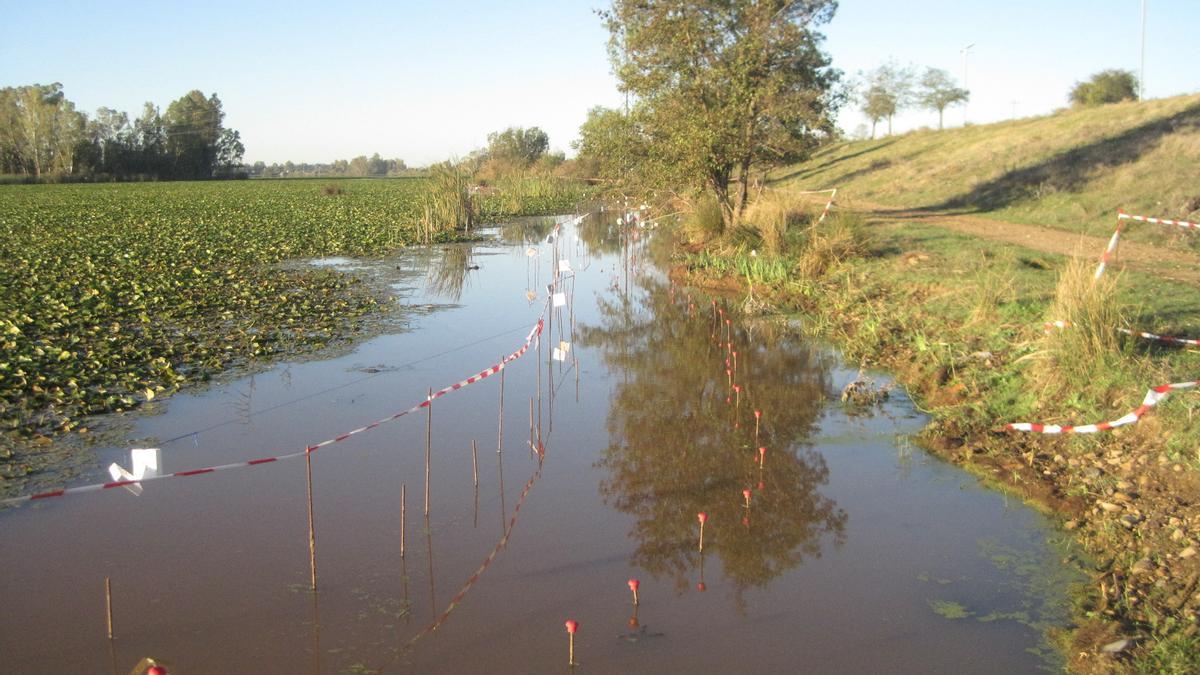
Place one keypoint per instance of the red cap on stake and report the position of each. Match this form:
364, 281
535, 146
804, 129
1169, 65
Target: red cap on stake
702, 516
757, 414
633, 585
572, 626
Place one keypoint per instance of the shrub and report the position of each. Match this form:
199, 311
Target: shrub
1106, 86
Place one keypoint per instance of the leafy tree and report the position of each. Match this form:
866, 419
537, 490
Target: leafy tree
1106, 86
884, 92
193, 125
938, 91
42, 129
612, 146
878, 104
723, 87
518, 146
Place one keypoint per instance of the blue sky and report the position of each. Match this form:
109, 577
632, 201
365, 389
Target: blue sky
312, 81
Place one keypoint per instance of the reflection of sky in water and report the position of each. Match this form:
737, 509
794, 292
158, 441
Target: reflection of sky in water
856, 553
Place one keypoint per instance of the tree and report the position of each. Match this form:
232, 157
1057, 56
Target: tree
1106, 86
723, 87
193, 126
42, 129
885, 91
518, 146
938, 91
878, 104
612, 146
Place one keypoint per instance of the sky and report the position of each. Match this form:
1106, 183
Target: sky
426, 81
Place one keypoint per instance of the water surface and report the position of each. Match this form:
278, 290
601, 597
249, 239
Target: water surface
857, 552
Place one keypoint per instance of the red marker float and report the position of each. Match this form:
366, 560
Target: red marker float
762, 457
746, 494
633, 586
572, 626
703, 517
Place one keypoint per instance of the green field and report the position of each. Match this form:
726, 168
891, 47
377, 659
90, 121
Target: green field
117, 293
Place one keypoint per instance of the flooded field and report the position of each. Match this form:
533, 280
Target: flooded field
837, 548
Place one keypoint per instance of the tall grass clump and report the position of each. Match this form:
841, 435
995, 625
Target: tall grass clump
828, 244
446, 204
1087, 352
772, 215
705, 223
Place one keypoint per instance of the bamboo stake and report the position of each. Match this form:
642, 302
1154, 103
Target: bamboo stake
428, 442
108, 605
403, 515
312, 530
474, 463
500, 430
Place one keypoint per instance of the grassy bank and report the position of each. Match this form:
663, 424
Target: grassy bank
1070, 170
959, 320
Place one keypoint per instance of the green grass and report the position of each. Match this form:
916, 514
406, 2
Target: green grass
1071, 170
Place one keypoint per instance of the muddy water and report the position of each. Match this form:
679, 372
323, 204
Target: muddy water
856, 553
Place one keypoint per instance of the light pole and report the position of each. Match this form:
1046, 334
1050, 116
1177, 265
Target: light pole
1142, 67
964, 51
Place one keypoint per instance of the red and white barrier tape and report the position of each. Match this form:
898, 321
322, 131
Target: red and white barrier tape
1050, 326
1121, 215
533, 334
1109, 251
1116, 236
1153, 396
828, 205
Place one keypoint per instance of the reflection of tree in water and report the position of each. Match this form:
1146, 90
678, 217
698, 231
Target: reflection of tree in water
449, 272
601, 232
675, 451
526, 231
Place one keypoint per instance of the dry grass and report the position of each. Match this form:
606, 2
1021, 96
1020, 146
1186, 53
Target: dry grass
839, 238
1088, 351
771, 215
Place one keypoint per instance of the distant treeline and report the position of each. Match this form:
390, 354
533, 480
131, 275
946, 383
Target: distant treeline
44, 137
359, 166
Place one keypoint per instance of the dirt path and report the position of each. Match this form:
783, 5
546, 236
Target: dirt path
1156, 260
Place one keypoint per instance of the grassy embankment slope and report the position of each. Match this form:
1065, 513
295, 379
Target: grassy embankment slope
959, 319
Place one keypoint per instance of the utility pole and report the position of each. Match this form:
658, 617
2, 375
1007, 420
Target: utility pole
965, 51
1142, 67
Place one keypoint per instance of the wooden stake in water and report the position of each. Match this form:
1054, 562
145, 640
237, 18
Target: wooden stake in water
703, 517
108, 605
757, 419
474, 463
403, 515
428, 443
572, 626
312, 529
500, 430
531, 445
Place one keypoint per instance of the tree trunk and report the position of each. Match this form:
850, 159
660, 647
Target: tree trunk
889, 125
744, 193
940, 111
873, 123
719, 181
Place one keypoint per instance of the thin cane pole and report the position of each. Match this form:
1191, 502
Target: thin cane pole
428, 442
312, 530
